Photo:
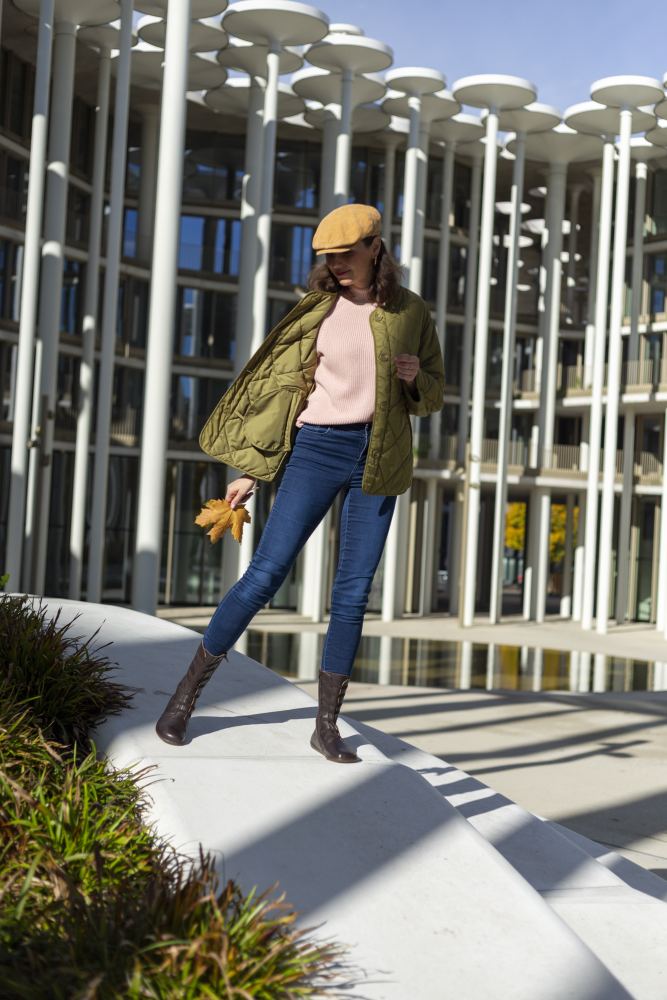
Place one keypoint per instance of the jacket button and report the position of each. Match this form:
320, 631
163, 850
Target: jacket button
384, 356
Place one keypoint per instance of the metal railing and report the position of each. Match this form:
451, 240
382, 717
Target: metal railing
562, 458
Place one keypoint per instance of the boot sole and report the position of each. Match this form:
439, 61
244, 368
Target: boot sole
334, 760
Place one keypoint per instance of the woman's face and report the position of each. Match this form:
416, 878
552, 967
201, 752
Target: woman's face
354, 268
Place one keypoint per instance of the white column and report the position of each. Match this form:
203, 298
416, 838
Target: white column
599, 343
570, 281
50, 291
443, 280
89, 330
261, 283
28, 308
328, 160
614, 372
150, 128
592, 275
471, 529
661, 603
161, 317
344, 143
250, 206
109, 312
393, 580
623, 558
469, 306
410, 182
417, 261
464, 380
578, 570
555, 213
566, 595
388, 192
505, 424
429, 534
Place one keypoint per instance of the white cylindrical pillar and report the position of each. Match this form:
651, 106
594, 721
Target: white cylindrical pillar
150, 130
261, 282
388, 191
344, 142
597, 386
155, 428
472, 252
555, 213
661, 602
505, 422
110, 310
328, 160
623, 560
471, 532
28, 307
442, 294
50, 290
410, 182
592, 277
89, 329
566, 592
250, 198
613, 372
417, 262
455, 552
578, 568
570, 281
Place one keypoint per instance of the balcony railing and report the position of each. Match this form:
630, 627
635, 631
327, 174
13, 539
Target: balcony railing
648, 467
562, 458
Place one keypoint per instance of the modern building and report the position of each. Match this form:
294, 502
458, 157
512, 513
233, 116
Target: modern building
148, 241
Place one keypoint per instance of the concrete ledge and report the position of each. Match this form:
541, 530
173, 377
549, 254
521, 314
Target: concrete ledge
373, 852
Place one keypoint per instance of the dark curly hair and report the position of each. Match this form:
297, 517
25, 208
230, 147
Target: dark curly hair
386, 283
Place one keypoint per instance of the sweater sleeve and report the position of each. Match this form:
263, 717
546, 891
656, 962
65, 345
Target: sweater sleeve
427, 394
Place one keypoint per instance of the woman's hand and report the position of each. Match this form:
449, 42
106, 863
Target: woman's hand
240, 490
407, 366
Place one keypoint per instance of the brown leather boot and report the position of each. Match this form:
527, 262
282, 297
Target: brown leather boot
173, 722
326, 739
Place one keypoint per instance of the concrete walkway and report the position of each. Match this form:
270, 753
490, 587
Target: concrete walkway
439, 885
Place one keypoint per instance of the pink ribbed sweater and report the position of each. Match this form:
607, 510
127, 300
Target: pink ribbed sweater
344, 390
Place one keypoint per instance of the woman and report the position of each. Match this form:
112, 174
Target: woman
330, 393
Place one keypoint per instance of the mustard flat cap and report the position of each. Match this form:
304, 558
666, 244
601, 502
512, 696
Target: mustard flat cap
345, 226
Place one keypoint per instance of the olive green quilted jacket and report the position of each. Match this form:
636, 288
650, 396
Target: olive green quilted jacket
252, 426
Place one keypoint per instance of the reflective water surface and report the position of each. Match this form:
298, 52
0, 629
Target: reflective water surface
463, 665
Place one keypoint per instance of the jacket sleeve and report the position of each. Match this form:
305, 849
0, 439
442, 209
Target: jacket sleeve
428, 392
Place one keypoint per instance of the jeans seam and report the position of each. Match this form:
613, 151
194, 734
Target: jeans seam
340, 562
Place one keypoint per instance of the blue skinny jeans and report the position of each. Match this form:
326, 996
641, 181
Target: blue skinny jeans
325, 460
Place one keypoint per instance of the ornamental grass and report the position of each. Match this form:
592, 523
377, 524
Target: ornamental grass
93, 903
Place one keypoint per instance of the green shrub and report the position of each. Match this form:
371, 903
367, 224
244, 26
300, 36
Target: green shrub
93, 903
65, 681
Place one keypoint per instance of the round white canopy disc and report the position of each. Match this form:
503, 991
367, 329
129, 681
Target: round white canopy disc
284, 22
415, 81
627, 91
251, 59
560, 145
321, 85
198, 8
204, 73
658, 135
76, 11
593, 118
205, 36
434, 107
491, 90
233, 98
102, 36
355, 53
461, 128
534, 117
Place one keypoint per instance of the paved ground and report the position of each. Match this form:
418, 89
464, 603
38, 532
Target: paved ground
596, 762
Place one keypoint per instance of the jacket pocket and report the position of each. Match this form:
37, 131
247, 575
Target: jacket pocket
268, 420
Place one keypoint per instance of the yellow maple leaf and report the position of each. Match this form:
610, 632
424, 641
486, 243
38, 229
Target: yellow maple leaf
240, 516
218, 515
